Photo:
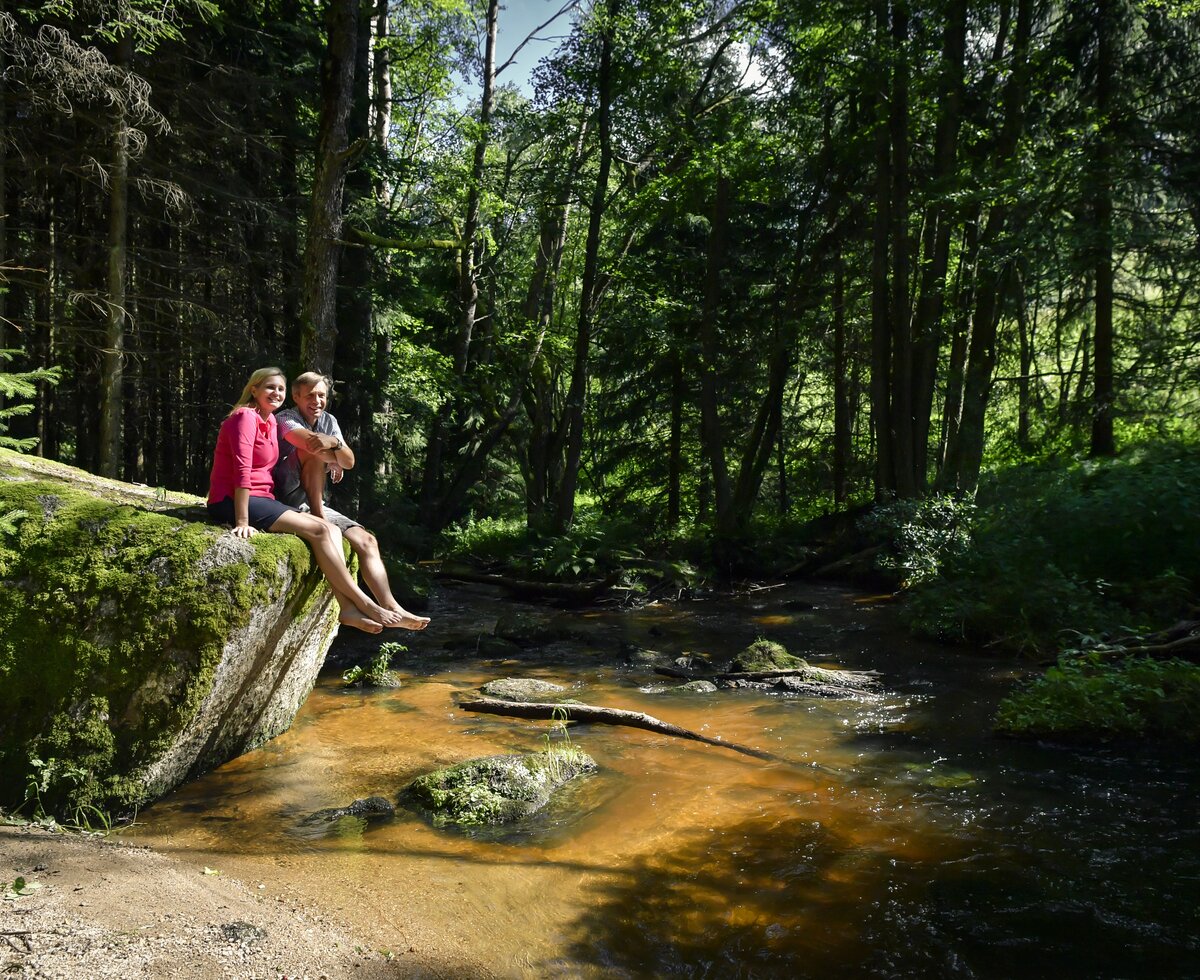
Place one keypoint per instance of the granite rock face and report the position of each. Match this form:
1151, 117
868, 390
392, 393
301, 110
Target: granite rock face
139, 645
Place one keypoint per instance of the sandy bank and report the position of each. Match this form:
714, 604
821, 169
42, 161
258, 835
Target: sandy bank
108, 909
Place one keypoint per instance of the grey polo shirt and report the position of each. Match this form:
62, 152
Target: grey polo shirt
286, 473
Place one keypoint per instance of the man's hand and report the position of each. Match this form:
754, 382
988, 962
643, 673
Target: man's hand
336, 473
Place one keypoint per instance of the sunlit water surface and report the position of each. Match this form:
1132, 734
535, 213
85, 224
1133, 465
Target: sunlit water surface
898, 839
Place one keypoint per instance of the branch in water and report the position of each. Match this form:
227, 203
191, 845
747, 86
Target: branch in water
596, 715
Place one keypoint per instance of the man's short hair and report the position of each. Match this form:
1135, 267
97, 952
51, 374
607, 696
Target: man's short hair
310, 379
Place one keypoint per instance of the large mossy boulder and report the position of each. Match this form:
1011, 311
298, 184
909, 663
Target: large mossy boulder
140, 646
497, 789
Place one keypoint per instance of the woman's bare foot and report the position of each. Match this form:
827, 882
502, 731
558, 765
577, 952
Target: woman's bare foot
408, 621
349, 616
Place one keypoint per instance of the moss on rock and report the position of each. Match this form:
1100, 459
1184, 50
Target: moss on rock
115, 621
765, 655
496, 789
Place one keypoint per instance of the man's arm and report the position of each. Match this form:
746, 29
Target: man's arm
328, 449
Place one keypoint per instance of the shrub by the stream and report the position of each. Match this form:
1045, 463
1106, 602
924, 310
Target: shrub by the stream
1087, 547
920, 535
377, 672
1086, 697
594, 547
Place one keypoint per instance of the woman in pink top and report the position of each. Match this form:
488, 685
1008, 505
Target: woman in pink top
240, 494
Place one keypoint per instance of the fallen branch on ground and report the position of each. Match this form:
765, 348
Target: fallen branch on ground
596, 715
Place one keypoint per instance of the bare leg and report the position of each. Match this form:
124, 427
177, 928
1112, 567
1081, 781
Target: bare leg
320, 535
312, 480
375, 575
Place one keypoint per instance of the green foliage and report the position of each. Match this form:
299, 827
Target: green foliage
18, 888
1064, 545
378, 671
19, 386
921, 534
1085, 697
61, 779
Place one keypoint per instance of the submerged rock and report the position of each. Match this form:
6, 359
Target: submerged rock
698, 687
525, 630
496, 789
371, 808
527, 689
636, 656
138, 646
496, 647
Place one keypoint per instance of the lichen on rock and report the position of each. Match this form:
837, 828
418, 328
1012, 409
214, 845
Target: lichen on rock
139, 647
496, 789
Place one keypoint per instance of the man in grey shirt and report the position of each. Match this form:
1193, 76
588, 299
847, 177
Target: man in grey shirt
311, 445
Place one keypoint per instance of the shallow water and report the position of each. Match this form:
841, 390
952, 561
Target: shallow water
898, 839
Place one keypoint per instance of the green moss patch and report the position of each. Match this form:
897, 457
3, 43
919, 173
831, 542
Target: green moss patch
113, 618
765, 655
496, 789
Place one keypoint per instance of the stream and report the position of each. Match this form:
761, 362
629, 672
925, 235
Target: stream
899, 837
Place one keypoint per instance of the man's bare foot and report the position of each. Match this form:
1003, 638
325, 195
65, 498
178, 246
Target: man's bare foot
408, 621
349, 616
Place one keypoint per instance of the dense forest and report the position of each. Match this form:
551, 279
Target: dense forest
723, 266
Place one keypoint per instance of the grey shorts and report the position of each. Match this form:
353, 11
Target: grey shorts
336, 518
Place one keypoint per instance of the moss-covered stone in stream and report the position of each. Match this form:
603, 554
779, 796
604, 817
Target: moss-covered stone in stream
113, 621
765, 655
1085, 700
496, 789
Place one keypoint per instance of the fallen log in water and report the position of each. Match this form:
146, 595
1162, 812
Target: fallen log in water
593, 714
847, 680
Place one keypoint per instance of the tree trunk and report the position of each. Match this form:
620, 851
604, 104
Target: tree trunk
675, 441
881, 328
589, 292
711, 431
354, 348
900, 416
1103, 443
112, 365
927, 328
965, 453
321, 249
468, 286
841, 382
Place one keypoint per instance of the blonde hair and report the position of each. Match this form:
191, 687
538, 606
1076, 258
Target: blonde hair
310, 379
256, 379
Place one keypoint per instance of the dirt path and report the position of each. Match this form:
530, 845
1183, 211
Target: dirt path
108, 909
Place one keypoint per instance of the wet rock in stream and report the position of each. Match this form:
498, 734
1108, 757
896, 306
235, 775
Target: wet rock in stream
698, 687
371, 808
528, 689
496, 789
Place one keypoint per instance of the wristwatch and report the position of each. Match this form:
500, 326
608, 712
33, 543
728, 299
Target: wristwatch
339, 445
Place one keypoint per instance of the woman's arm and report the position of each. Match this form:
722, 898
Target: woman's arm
241, 513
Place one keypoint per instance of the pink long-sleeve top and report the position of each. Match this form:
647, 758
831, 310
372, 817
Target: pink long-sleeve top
247, 448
